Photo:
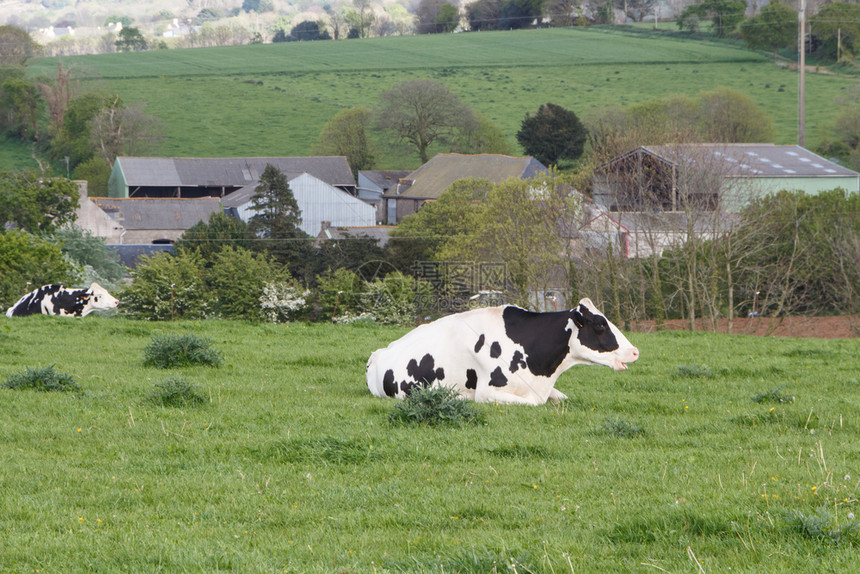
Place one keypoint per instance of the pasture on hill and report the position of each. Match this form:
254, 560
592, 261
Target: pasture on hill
711, 453
274, 99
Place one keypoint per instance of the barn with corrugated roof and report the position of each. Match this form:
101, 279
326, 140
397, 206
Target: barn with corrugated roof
720, 176
189, 177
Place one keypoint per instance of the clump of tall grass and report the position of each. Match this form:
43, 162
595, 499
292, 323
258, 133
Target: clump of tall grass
176, 392
45, 379
824, 526
773, 396
166, 351
615, 426
436, 406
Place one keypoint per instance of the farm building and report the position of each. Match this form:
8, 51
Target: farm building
141, 220
717, 176
374, 184
378, 233
642, 234
216, 177
318, 202
429, 181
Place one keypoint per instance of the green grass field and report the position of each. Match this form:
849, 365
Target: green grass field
274, 99
290, 465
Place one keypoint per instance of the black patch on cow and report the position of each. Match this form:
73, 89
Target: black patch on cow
425, 371
495, 350
517, 362
389, 385
471, 379
594, 331
407, 387
497, 378
479, 344
31, 304
70, 301
543, 336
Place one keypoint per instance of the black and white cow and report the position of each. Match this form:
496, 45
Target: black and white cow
499, 354
58, 300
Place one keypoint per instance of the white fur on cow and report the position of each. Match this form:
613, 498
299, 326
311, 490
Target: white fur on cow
499, 354
58, 300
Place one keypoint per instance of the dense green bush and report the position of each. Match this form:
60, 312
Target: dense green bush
44, 379
242, 282
436, 405
167, 287
176, 392
97, 262
396, 300
27, 262
167, 351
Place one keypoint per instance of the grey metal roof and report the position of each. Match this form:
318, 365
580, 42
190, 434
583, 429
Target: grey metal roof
381, 233
437, 175
159, 213
228, 172
757, 160
385, 179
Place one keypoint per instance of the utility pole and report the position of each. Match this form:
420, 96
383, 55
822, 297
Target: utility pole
801, 68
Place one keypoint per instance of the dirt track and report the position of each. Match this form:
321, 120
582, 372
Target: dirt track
841, 327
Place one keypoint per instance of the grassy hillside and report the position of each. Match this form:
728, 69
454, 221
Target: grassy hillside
274, 99
712, 453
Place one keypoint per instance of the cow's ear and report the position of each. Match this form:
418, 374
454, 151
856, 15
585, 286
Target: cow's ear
578, 319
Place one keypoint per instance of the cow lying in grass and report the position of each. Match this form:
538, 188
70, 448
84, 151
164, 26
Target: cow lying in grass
58, 300
499, 354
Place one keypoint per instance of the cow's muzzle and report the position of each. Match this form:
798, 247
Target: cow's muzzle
628, 356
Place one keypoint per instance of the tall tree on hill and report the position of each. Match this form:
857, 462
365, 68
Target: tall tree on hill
57, 94
277, 218
725, 15
16, 46
552, 134
838, 25
422, 112
21, 101
122, 130
427, 13
773, 28
484, 14
131, 40
517, 14
346, 134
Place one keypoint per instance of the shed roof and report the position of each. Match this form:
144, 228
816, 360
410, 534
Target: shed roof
437, 175
230, 172
160, 213
757, 160
384, 179
380, 233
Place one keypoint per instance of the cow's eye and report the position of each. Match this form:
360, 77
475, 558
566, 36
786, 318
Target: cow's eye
95, 298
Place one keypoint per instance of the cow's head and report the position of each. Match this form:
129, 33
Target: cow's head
597, 340
98, 298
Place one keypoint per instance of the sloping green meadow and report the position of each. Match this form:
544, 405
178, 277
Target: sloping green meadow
274, 99
711, 453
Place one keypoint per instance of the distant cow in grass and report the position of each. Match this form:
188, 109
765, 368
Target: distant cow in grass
499, 354
58, 300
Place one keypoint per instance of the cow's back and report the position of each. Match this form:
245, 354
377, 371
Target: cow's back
32, 303
430, 350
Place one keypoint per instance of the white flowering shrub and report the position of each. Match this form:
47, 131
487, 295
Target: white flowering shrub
282, 302
347, 319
